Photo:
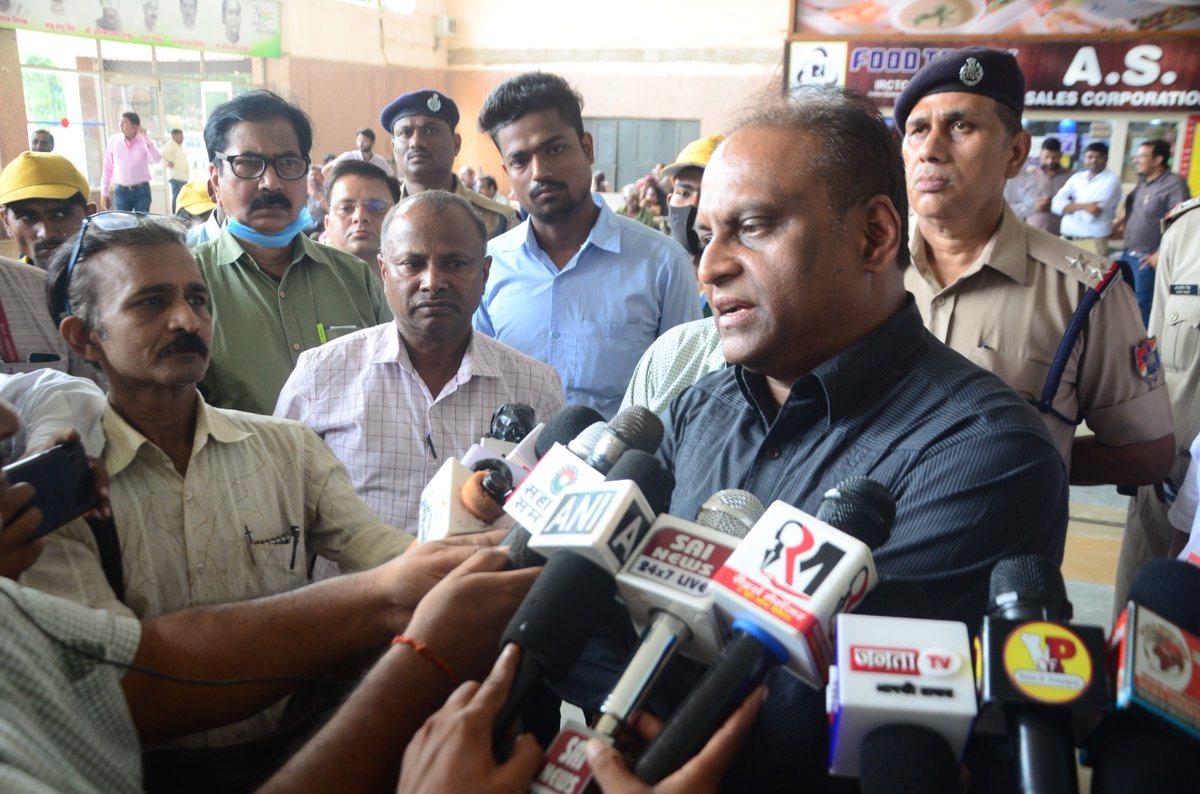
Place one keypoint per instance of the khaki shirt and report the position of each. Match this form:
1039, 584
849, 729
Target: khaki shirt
497, 217
1175, 320
1010, 310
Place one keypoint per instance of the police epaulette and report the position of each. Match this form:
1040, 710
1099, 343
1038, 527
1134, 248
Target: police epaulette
1178, 211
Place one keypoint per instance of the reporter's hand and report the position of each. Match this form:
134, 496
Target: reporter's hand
700, 775
407, 578
17, 552
453, 749
462, 617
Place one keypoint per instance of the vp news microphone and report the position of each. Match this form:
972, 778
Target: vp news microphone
566, 604
782, 587
1045, 675
665, 586
1155, 657
903, 671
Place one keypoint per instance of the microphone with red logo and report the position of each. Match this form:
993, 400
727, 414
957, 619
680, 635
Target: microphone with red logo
1151, 740
1041, 676
896, 669
781, 588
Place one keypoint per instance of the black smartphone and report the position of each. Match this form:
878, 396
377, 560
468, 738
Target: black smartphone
64, 482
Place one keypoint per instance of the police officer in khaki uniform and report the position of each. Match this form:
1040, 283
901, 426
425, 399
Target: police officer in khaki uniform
425, 144
1175, 322
1053, 321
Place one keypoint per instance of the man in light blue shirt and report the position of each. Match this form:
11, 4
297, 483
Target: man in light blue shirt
575, 285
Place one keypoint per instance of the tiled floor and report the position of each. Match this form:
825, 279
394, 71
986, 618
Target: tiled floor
1097, 520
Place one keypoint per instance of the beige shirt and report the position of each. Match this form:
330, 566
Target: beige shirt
184, 539
175, 152
1175, 320
1010, 310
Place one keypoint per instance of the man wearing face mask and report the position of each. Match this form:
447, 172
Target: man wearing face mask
275, 293
685, 353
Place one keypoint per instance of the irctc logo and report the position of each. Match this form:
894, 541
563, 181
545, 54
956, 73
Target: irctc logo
793, 565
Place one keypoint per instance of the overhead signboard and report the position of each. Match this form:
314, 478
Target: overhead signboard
247, 27
1154, 75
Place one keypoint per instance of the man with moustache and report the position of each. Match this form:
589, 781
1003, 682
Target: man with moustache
576, 285
359, 196
1087, 202
44, 199
394, 401
1056, 323
209, 506
424, 143
187, 12
275, 293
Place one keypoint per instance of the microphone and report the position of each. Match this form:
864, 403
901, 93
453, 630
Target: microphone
566, 603
910, 673
665, 586
901, 759
512, 422
782, 587
1154, 651
636, 427
1043, 674
457, 502
534, 498
604, 522
485, 491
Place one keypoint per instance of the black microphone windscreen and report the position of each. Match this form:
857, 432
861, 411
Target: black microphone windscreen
651, 476
638, 427
1135, 758
519, 554
896, 598
861, 507
908, 759
569, 599
1028, 587
512, 422
1170, 588
564, 426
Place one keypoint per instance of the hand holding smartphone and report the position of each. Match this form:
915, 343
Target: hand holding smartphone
63, 479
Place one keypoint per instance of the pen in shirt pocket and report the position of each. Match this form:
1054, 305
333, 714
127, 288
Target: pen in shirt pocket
429, 443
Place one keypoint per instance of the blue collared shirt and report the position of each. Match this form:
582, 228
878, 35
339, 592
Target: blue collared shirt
593, 319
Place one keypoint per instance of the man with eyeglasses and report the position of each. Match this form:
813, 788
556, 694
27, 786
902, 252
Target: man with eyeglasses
425, 144
359, 196
275, 293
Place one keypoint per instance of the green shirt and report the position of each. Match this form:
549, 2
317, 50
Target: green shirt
261, 326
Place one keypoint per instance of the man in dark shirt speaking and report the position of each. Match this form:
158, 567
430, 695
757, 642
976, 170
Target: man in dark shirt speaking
804, 218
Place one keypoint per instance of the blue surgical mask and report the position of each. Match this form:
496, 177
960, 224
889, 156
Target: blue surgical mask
279, 240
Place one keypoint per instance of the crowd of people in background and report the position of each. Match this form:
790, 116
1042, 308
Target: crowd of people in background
267, 377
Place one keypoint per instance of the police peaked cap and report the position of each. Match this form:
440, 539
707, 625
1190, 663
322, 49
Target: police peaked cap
425, 102
971, 70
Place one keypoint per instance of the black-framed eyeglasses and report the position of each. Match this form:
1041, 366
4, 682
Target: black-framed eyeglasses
251, 166
110, 221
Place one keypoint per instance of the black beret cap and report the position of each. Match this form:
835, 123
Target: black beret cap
425, 102
971, 70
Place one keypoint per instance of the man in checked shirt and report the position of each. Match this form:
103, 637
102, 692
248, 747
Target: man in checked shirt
396, 400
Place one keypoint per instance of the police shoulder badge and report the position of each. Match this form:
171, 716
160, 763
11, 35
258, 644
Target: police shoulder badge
1146, 360
971, 72
434, 103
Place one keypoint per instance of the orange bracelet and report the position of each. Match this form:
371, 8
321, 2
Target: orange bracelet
425, 651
